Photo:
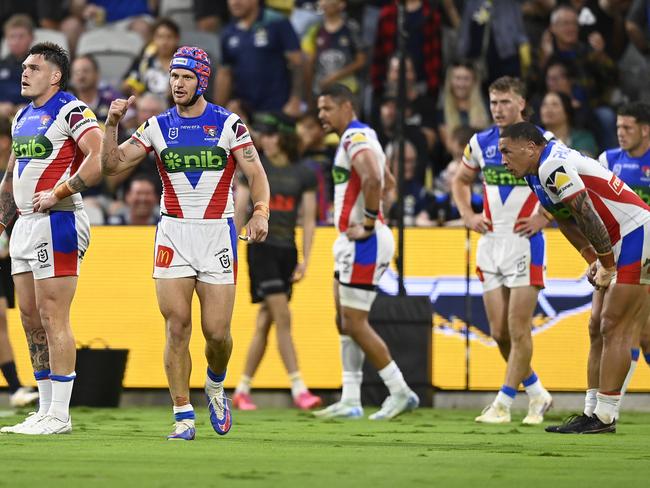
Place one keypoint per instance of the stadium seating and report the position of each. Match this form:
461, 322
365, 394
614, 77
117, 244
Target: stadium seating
114, 50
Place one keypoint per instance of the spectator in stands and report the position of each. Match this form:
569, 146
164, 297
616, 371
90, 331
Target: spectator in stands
150, 73
423, 43
262, 63
637, 26
304, 15
141, 203
319, 157
210, 16
386, 133
442, 209
19, 35
492, 35
596, 73
134, 15
335, 52
416, 198
557, 116
85, 81
461, 102
605, 17
420, 109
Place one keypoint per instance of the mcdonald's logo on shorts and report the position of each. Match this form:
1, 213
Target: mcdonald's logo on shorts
164, 256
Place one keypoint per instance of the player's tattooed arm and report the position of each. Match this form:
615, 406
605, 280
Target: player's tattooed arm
38, 350
250, 154
7, 203
590, 222
77, 184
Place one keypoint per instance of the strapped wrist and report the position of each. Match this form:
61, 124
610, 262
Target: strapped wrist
607, 259
63, 190
261, 209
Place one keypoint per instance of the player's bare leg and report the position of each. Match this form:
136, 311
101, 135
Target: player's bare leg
521, 307
241, 398
355, 324
496, 309
595, 352
644, 339
217, 303
621, 305
175, 303
53, 300
352, 358
37, 344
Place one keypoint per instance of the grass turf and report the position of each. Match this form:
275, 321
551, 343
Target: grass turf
126, 447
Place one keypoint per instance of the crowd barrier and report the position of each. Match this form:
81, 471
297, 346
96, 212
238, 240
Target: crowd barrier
116, 302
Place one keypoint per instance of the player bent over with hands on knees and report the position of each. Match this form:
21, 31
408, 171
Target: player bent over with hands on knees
55, 156
197, 146
611, 218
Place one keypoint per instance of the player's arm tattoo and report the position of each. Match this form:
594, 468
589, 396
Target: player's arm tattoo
38, 350
590, 223
249, 154
77, 184
8, 207
110, 155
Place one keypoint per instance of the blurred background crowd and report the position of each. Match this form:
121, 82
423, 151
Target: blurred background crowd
580, 60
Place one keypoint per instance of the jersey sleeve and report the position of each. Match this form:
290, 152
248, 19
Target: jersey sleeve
309, 180
236, 134
75, 119
560, 179
469, 154
355, 142
602, 159
143, 135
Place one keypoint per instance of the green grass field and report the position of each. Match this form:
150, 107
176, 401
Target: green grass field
287, 448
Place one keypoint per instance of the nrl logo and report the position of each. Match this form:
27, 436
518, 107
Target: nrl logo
173, 132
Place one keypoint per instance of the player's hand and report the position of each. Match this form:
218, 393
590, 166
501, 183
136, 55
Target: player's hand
118, 109
298, 272
591, 273
356, 232
529, 226
257, 228
604, 276
44, 200
477, 223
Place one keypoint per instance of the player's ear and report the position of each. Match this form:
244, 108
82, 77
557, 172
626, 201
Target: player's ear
55, 79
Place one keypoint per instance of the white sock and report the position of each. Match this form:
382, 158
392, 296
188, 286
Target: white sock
351, 392
61, 393
298, 386
590, 401
607, 407
535, 388
44, 395
504, 400
185, 413
352, 357
393, 379
244, 385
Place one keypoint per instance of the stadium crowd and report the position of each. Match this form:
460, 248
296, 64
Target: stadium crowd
580, 59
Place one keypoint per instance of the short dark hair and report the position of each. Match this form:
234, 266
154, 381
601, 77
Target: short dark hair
462, 134
56, 55
90, 58
142, 177
524, 131
340, 93
508, 83
168, 23
639, 110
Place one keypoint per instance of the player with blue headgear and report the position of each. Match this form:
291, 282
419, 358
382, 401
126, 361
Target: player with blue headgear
197, 146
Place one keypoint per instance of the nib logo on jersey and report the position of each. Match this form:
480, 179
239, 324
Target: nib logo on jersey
25, 147
448, 294
194, 158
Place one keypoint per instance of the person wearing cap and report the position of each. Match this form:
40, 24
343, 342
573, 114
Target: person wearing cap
197, 146
273, 265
